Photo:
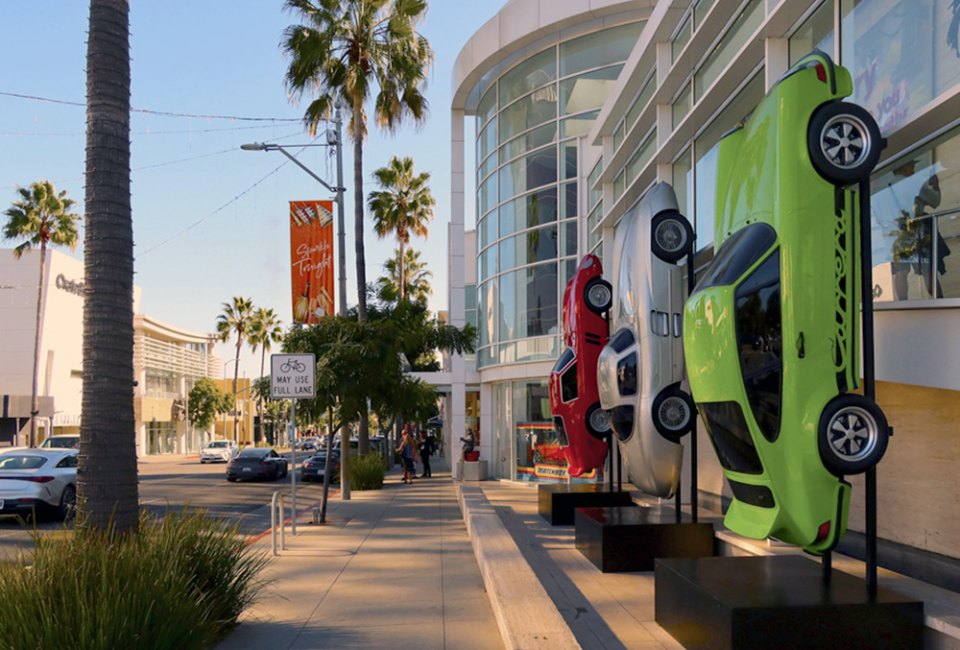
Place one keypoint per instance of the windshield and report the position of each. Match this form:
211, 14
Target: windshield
253, 452
61, 442
219, 444
760, 342
21, 461
737, 254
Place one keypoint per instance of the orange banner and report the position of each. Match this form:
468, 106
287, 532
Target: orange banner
311, 260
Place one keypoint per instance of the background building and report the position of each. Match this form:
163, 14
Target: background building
662, 81
167, 360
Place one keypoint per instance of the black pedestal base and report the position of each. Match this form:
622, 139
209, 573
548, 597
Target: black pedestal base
630, 539
782, 602
557, 501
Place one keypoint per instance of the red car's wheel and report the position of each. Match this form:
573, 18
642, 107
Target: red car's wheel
598, 295
598, 422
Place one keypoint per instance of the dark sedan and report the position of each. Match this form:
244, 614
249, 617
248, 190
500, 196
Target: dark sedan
257, 462
313, 468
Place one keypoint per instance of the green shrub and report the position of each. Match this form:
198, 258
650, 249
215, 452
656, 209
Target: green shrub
180, 583
366, 472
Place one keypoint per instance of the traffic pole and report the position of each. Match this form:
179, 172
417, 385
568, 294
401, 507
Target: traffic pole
293, 469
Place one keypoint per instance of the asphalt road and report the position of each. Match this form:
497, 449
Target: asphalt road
183, 482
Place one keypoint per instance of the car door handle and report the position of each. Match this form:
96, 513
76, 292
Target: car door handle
801, 347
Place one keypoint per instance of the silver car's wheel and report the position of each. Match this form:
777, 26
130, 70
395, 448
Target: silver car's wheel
68, 503
673, 412
671, 236
853, 435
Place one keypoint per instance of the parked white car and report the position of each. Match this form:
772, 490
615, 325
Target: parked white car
218, 451
641, 368
38, 479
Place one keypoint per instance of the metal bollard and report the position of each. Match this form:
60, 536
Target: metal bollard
276, 509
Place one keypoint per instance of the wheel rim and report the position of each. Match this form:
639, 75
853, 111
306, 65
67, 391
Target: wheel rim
853, 434
598, 295
674, 413
69, 504
599, 420
845, 140
670, 235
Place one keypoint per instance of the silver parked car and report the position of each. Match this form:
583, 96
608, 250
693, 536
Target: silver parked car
641, 368
38, 479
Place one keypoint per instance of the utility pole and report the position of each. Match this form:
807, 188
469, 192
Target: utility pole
341, 235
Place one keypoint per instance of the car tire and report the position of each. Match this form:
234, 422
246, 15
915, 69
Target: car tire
598, 296
68, 503
671, 236
598, 422
844, 142
852, 420
673, 413
232, 479
284, 470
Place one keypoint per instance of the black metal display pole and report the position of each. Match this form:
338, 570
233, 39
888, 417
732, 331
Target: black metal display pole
610, 459
619, 466
869, 385
694, 488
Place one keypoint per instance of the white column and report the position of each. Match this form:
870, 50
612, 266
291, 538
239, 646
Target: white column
455, 275
777, 53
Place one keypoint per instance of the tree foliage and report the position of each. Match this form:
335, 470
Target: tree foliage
416, 281
40, 217
206, 401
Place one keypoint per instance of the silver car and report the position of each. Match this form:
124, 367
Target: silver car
641, 368
38, 479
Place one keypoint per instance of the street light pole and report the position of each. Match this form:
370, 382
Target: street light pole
338, 190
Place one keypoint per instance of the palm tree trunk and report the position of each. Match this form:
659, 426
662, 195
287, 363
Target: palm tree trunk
107, 472
263, 358
34, 399
403, 280
358, 210
236, 371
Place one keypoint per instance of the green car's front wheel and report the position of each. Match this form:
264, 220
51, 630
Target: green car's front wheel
853, 434
844, 142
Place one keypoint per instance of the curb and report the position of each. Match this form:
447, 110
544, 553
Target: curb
525, 614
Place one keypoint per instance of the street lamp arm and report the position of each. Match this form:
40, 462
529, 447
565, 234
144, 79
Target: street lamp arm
259, 146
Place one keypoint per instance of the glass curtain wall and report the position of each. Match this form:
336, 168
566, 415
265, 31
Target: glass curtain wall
527, 189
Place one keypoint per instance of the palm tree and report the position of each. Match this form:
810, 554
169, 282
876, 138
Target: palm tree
346, 49
264, 330
403, 206
42, 216
236, 317
107, 472
416, 281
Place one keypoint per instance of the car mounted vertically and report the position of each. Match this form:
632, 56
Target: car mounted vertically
772, 335
581, 424
641, 369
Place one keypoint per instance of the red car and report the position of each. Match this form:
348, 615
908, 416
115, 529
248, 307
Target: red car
574, 399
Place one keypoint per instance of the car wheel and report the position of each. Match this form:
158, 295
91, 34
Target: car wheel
671, 236
284, 470
844, 142
598, 294
673, 413
598, 422
853, 435
232, 479
68, 503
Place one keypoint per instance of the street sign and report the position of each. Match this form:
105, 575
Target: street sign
293, 376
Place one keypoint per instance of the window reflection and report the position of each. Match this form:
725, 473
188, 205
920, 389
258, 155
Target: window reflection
916, 226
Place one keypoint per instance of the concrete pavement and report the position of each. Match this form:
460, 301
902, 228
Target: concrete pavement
391, 568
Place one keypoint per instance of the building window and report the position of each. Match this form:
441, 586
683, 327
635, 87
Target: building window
587, 91
816, 33
681, 39
902, 55
598, 49
683, 182
916, 224
746, 24
681, 105
705, 171
536, 170
537, 71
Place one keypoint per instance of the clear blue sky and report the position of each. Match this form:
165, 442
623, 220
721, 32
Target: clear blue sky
209, 57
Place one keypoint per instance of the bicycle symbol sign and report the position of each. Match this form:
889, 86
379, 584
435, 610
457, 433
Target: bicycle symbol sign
292, 376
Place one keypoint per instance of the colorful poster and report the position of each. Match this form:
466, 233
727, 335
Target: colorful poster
311, 260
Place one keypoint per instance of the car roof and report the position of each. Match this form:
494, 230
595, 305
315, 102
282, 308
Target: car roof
36, 451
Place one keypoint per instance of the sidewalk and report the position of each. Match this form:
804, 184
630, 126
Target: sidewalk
391, 568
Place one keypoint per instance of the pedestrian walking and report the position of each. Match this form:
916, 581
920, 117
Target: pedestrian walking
408, 451
427, 450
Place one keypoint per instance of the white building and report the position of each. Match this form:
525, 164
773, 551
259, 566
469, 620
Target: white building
578, 107
167, 360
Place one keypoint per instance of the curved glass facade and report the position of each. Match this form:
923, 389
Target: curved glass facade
528, 122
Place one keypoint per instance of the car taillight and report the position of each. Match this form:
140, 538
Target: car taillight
32, 479
823, 532
264, 462
821, 72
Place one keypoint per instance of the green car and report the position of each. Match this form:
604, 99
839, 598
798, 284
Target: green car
771, 332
